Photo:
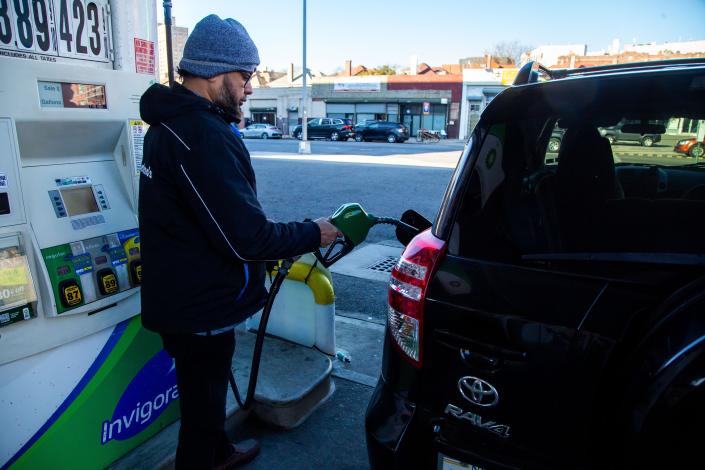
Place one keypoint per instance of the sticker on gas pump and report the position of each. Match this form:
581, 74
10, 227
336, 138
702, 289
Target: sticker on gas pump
82, 264
16, 286
3, 181
144, 56
16, 315
139, 129
117, 256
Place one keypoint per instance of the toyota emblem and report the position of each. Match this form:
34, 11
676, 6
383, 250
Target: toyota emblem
478, 391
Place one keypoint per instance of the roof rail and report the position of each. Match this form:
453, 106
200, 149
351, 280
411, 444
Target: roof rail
532, 72
693, 61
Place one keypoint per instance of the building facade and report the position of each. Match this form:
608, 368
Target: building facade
548, 55
480, 86
278, 102
178, 41
427, 101
596, 60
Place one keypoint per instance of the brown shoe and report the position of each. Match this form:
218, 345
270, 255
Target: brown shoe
243, 452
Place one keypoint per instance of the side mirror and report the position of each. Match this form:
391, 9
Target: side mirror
416, 220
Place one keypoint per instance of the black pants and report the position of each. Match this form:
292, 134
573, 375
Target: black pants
202, 367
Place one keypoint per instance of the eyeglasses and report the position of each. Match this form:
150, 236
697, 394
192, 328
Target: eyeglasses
247, 76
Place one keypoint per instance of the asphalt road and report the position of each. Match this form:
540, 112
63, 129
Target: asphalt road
353, 148
295, 190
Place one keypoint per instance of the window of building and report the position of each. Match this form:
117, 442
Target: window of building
475, 107
361, 117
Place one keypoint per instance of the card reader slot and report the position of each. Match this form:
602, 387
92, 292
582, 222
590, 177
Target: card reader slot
4, 204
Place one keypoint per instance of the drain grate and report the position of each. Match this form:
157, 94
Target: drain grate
384, 265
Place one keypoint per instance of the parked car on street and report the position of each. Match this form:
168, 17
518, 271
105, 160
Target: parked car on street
553, 315
554, 143
620, 133
690, 147
382, 130
262, 131
325, 128
613, 134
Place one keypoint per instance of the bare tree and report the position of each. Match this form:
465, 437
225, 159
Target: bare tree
511, 49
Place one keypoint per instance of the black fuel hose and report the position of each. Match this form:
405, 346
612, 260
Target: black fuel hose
282, 272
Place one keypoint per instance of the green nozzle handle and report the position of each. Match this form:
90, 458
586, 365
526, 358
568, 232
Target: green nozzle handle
353, 221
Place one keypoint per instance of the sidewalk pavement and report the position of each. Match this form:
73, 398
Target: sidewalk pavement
431, 160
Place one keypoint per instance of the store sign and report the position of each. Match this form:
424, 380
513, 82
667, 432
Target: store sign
426, 108
358, 87
77, 29
508, 76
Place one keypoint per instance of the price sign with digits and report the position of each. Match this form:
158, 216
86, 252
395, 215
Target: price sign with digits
78, 29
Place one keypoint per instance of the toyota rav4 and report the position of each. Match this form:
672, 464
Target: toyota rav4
554, 314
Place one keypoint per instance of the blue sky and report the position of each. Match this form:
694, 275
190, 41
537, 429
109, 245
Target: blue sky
375, 32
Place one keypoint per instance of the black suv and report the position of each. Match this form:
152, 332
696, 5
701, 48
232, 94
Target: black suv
381, 130
621, 133
325, 128
554, 314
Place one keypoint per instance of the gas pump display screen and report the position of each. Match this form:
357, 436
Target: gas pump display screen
71, 95
79, 200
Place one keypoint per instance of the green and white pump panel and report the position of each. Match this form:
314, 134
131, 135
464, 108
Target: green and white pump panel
81, 382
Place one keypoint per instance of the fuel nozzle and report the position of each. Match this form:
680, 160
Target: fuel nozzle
354, 223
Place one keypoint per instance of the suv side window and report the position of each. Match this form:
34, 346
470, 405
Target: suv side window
325, 122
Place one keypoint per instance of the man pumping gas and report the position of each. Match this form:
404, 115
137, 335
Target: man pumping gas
200, 218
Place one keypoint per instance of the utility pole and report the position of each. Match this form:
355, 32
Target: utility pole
169, 53
304, 145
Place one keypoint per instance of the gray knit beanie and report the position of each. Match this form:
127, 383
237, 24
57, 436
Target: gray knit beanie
218, 46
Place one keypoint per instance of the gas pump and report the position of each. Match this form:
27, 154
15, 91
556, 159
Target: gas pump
82, 382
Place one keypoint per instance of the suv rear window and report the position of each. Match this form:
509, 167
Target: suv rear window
639, 194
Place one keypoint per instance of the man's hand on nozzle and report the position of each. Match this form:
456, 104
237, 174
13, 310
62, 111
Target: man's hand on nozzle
328, 231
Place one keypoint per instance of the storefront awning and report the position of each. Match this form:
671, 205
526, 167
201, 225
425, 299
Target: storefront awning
492, 90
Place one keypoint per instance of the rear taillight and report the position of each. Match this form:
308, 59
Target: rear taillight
407, 291
347, 127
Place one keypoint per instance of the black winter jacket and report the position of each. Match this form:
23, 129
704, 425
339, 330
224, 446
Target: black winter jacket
204, 234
